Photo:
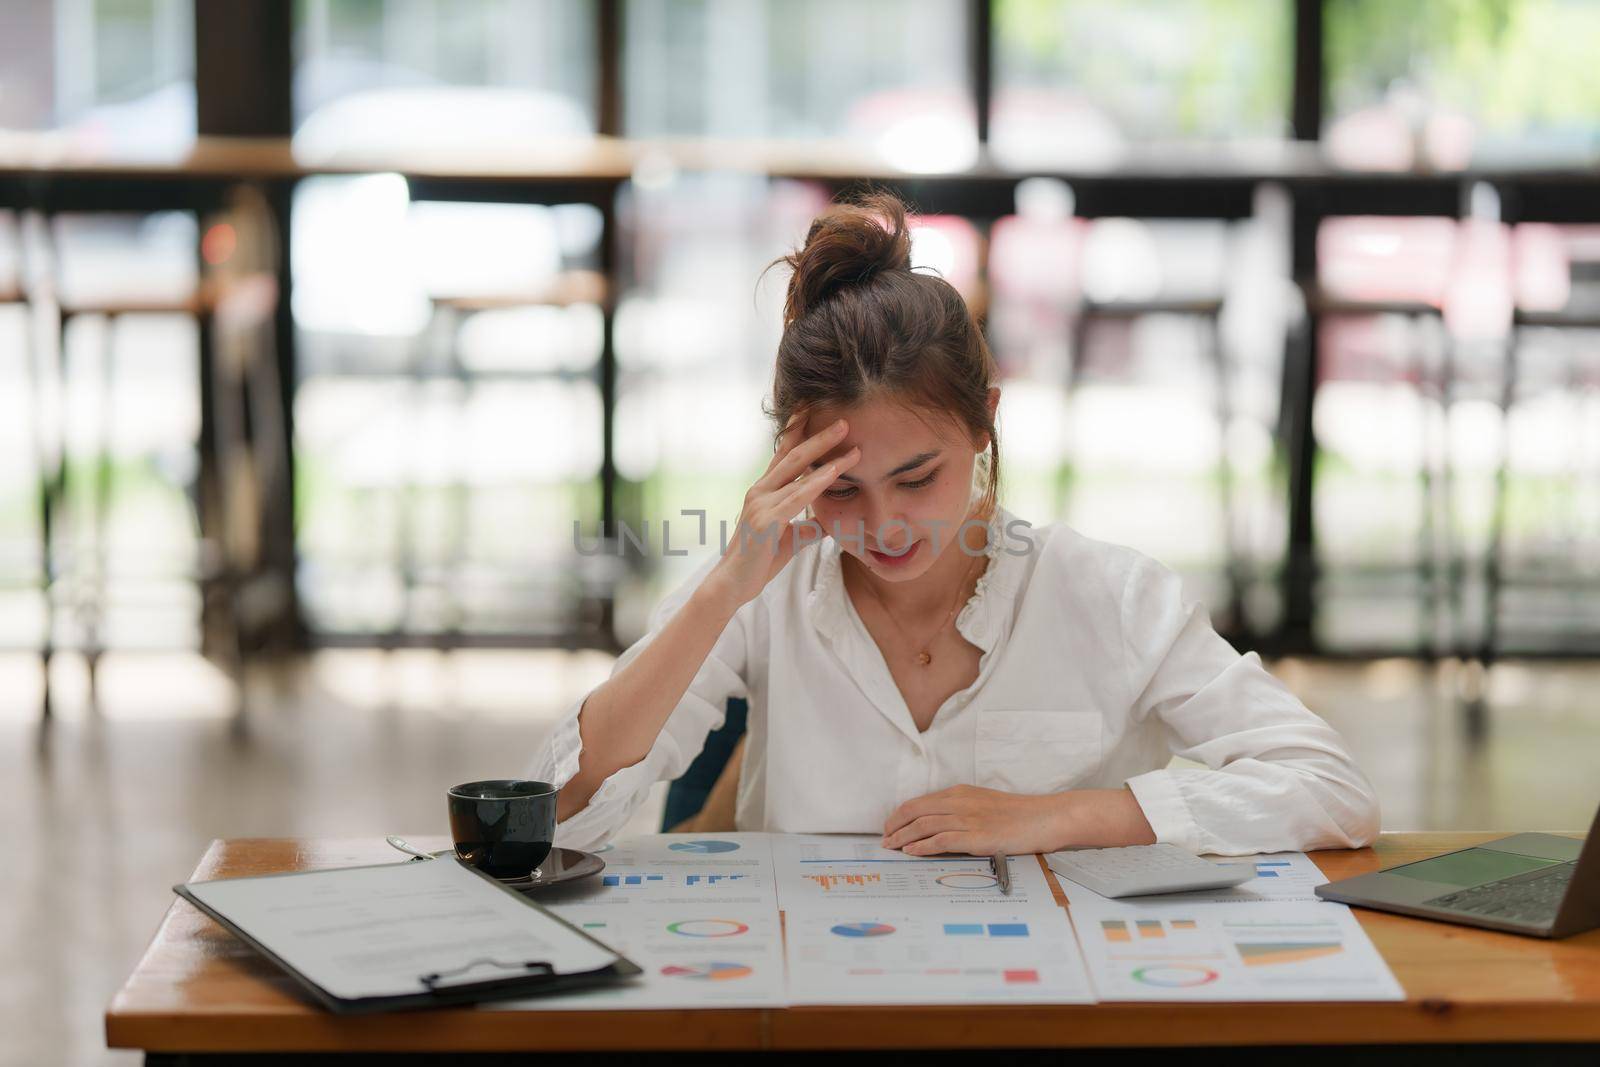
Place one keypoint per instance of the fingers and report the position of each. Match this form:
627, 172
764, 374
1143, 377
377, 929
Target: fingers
904, 815
795, 459
808, 488
786, 440
776, 530
949, 841
922, 827
928, 804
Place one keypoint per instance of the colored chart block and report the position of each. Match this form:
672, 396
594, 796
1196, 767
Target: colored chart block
624, 880
831, 881
1174, 976
1008, 929
1114, 929
1016, 977
708, 972
1287, 952
704, 847
707, 928
863, 929
712, 879
963, 929
1150, 928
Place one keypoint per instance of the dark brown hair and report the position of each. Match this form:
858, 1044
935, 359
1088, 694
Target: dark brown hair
858, 322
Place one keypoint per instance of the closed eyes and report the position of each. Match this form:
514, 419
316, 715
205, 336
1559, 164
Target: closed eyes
848, 491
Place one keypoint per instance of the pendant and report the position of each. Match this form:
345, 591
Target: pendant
924, 657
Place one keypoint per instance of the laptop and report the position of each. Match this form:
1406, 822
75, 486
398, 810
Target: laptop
1536, 884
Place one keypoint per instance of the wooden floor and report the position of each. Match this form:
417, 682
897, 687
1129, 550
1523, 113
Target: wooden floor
102, 814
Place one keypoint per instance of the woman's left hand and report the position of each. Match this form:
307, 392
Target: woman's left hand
979, 822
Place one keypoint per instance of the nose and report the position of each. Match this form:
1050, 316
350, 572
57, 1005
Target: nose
886, 533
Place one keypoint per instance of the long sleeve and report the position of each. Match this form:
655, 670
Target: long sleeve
702, 709
1279, 777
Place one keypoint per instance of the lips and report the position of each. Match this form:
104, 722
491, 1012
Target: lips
885, 559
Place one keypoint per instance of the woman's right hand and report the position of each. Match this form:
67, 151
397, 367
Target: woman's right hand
754, 554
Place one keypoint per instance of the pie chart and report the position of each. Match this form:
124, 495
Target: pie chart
712, 972
1174, 976
863, 929
704, 847
967, 880
707, 927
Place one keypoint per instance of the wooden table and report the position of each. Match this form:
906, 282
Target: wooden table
199, 990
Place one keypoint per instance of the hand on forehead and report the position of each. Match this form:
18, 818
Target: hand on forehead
888, 434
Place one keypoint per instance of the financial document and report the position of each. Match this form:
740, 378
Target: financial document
678, 869
869, 925
692, 956
697, 912
862, 954
1270, 938
861, 924
824, 870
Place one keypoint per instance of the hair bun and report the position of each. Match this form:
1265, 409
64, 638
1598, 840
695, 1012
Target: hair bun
847, 244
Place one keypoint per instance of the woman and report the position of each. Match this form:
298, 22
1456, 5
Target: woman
933, 668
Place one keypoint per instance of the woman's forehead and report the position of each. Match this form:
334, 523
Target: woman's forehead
880, 418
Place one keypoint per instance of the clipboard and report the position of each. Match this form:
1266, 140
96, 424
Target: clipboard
480, 977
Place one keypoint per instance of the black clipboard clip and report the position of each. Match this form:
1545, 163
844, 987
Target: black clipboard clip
433, 981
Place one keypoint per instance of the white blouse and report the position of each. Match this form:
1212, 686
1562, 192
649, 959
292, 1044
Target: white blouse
1095, 671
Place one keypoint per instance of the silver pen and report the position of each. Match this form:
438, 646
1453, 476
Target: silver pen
1002, 871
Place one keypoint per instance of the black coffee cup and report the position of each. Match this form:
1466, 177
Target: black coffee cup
503, 827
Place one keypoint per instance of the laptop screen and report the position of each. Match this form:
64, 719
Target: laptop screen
1473, 866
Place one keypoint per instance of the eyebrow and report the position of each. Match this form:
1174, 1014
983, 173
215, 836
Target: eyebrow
915, 461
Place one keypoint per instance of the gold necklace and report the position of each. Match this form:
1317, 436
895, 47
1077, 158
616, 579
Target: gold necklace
925, 656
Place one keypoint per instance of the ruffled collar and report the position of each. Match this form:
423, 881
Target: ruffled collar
984, 618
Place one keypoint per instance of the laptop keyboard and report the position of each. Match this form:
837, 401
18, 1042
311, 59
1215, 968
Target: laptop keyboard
1533, 896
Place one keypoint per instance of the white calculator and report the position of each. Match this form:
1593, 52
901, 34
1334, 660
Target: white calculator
1139, 870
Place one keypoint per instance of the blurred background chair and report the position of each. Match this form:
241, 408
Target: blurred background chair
1542, 571
1204, 313
130, 311
164, 439
1384, 399
490, 272
24, 537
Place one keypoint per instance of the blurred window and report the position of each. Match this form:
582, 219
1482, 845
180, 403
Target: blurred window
118, 75
387, 74
448, 425
1124, 440
1077, 82
891, 74
696, 335
1462, 82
